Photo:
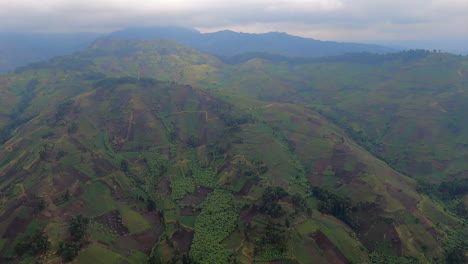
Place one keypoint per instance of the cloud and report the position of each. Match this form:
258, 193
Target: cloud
331, 19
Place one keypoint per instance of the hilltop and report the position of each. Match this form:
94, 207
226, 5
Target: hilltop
20, 49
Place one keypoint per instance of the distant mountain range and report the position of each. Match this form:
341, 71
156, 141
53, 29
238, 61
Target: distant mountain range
19, 49
229, 43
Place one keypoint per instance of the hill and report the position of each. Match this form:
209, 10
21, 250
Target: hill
20, 49
229, 43
109, 164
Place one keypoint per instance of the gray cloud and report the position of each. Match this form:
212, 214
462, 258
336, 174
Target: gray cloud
323, 19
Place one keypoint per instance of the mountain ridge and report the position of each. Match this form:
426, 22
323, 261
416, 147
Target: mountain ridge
229, 43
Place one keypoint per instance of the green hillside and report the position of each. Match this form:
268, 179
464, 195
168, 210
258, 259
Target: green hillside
153, 152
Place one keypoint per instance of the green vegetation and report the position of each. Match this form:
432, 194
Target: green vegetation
98, 192
448, 193
135, 222
216, 221
97, 253
68, 250
34, 244
332, 204
263, 159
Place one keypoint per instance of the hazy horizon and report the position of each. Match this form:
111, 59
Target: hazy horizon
436, 24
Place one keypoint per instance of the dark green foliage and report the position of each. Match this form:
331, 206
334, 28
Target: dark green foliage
124, 166
231, 118
448, 193
68, 250
40, 204
35, 244
270, 199
274, 194
73, 128
43, 152
272, 243
298, 201
454, 188
456, 246
60, 154
150, 205
333, 204
154, 260
192, 141
77, 227
272, 209
63, 109
362, 57
114, 82
181, 259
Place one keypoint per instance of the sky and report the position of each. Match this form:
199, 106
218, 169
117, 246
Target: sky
441, 21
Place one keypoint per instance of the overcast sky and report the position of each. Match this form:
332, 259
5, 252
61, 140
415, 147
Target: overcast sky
342, 20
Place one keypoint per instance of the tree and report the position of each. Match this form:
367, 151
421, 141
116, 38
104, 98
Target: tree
124, 165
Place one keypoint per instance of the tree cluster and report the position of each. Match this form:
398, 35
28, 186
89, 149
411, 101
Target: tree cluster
270, 199
34, 244
333, 204
68, 250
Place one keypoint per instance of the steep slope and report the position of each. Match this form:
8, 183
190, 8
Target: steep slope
153, 163
408, 108
176, 172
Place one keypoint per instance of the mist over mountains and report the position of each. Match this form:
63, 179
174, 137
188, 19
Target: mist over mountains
19, 49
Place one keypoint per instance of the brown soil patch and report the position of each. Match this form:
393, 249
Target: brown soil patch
407, 201
102, 167
113, 220
377, 231
73, 209
248, 213
226, 165
198, 196
189, 210
183, 238
319, 167
147, 239
331, 253
78, 144
78, 174
245, 189
17, 226
117, 143
68, 178
164, 187
21, 201
62, 182
127, 243
339, 157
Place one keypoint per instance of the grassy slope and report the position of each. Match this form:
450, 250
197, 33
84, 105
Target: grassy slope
409, 111
136, 123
